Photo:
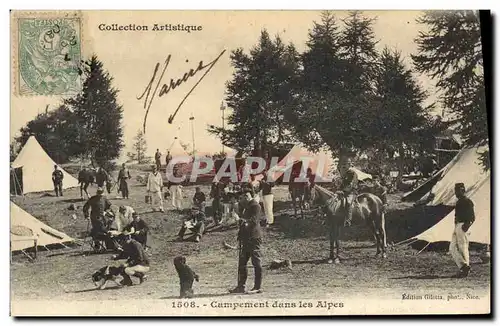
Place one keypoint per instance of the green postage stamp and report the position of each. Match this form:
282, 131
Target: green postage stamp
49, 56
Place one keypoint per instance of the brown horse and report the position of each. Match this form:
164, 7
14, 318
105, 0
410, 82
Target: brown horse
368, 207
300, 193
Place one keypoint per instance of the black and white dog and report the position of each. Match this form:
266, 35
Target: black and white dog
105, 274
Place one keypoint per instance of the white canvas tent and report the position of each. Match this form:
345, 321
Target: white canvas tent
464, 167
322, 163
26, 229
37, 167
479, 231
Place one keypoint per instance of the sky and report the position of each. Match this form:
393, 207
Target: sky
131, 56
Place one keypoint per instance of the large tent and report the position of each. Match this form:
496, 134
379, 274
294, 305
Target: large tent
464, 167
321, 163
479, 231
26, 229
37, 167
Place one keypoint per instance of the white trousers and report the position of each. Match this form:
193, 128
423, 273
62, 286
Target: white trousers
268, 208
459, 246
155, 198
176, 197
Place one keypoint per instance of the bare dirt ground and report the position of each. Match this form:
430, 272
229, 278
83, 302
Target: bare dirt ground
64, 274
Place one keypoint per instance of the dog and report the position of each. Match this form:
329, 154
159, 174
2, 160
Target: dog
105, 274
186, 277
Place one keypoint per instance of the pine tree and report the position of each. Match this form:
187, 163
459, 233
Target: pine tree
357, 47
98, 115
335, 104
257, 95
140, 148
56, 131
404, 123
450, 52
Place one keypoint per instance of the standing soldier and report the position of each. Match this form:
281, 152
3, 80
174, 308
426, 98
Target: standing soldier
216, 194
268, 198
123, 177
250, 240
98, 206
348, 187
168, 158
158, 159
57, 179
155, 187
103, 177
464, 217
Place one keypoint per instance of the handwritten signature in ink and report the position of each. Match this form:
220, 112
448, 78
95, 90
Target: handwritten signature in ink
149, 93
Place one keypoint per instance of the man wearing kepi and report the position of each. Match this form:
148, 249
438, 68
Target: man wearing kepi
137, 264
464, 217
250, 240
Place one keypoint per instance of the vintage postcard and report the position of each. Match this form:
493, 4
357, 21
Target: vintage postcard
249, 163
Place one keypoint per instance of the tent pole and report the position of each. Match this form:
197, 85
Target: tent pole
404, 241
428, 243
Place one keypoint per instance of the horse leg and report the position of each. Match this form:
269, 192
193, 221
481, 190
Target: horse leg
375, 232
331, 257
301, 205
294, 205
383, 235
337, 242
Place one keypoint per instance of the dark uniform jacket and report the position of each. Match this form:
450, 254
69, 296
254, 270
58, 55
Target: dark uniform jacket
140, 226
349, 182
216, 190
199, 198
135, 254
98, 204
57, 176
267, 187
251, 229
123, 175
464, 211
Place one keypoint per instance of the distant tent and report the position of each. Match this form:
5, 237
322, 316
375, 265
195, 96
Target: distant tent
322, 163
480, 230
26, 229
37, 167
464, 167
176, 149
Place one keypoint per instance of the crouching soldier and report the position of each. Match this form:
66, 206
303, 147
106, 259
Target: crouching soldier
196, 223
137, 263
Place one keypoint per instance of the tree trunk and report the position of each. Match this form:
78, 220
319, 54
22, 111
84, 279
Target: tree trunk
401, 165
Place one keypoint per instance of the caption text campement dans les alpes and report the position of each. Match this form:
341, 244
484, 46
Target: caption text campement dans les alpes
146, 28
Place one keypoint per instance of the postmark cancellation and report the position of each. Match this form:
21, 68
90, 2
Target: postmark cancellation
48, 54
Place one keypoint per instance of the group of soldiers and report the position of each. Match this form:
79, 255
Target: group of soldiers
124, 231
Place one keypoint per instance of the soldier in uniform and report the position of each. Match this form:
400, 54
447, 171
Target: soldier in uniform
158, 159
99, 206
57, 179
464, 218
123, 177
348, 187
102, 177
216, 193
250, 241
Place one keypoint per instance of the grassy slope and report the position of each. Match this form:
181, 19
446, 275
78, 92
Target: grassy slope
65, 274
